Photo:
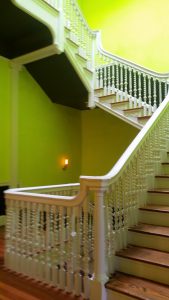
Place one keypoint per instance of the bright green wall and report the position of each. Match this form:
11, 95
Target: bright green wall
48, 132
104, 139
4, 121
134, 29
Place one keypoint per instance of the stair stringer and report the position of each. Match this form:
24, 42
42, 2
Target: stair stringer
106, 107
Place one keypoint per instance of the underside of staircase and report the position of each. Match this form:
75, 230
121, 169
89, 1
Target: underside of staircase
142, 269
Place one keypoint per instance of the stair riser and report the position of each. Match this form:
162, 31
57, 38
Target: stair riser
135, 113
120, 106
154, 218
164, 169
157, 199
108, 99
148, 241
161, 183
113, 295
142, 269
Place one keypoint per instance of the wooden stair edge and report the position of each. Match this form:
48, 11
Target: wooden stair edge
159, 190
106, 96
119, 102
138, 253
132, 109
143, 117
149, 231
137, 287
156, 208
162, 176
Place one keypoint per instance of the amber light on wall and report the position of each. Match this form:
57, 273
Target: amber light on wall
65, 163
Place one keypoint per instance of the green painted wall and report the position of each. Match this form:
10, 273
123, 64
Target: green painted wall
48, 132
104, 139
93, 140
4, 121
134, 29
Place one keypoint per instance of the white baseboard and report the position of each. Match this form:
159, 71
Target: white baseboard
2, 220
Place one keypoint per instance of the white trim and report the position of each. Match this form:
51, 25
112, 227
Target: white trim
36, 55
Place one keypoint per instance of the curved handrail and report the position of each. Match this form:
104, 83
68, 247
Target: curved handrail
125, 61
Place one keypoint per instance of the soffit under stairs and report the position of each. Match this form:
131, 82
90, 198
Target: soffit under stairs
21, 34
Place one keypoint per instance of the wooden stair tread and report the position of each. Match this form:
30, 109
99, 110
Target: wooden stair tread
98, 89
143, 117
137, 287
106, 96
159, 190
151, 229
162, 176
156, 208
145, 255
132, 109
119, 102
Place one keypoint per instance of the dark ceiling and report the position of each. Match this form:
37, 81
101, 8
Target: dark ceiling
59, 80
20, 34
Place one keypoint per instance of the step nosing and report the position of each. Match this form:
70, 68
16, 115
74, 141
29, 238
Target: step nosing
149, 232
155, 210
159, 191
140, 257
143, 260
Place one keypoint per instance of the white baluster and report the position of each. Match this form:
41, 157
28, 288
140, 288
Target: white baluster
77, 252
108, 79
100, 277
130, 88
135, 89
113, 78
154, 95
125, 83
105, 80
160, 92
121, 82
101, 77
117, 82
145, 93
139, 89
149, 96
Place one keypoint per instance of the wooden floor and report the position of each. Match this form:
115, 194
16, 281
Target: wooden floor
14, 287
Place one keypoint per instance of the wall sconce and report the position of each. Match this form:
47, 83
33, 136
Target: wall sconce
65, 163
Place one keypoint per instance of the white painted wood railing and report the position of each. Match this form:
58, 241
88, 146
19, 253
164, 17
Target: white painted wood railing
80, 32
141, 86
70, 241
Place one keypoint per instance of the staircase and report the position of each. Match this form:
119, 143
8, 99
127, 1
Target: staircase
116, 226
142, 269
123, 108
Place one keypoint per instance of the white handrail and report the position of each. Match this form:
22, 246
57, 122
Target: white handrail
127, 62
97, 181
126, 156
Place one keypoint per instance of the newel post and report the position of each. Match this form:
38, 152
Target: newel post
98, 290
